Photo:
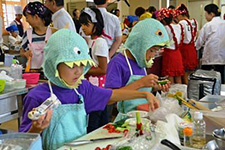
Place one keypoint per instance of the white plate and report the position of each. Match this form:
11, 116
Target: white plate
132, 121
132, 114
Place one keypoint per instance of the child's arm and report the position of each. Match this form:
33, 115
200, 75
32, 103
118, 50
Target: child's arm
101, 69
43, 122
120, 95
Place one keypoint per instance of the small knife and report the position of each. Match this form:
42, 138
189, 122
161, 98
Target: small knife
82, 142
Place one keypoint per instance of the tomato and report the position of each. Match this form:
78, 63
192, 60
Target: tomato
108, 147
97, 148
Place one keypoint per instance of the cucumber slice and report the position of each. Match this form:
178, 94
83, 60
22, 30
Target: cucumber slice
162, 82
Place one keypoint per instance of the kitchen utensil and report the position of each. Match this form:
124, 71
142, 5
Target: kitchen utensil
132, 121
132, 114
212, 145
219, 136
82, 142
163, 78
27, 69
170, 144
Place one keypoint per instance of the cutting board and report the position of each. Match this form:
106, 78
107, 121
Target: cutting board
99, 133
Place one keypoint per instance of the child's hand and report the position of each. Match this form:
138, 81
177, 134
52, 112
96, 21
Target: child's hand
43, 122
153, 101
28, 54
164, 88
149, 80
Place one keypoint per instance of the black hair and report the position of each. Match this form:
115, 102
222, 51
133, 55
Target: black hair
151, 9
183, 7
98, 26
139, 11
171, 7
167, 20
99, 2
45, 15
74, 12
114, 11
212, 8
58, 2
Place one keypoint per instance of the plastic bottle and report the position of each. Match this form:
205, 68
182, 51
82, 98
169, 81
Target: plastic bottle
187, 136
16, 69
199, 138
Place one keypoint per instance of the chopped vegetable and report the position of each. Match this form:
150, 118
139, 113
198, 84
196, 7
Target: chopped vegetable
162, 82
125, 148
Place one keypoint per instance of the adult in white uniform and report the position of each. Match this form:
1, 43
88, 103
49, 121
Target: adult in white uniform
61, 18
211, 36
111, 26
17, 21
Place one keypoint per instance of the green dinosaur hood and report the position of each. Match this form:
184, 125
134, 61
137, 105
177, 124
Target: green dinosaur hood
67, 47
144, 35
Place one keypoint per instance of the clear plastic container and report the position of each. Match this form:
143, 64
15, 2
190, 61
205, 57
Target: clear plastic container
20, 83
21, 141
199, 134
16, 70
9, 86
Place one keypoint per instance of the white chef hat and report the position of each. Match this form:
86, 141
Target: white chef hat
18, 10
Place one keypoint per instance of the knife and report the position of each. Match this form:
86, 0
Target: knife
82, 142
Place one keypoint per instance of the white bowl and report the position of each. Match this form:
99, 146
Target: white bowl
143, 114
132, 121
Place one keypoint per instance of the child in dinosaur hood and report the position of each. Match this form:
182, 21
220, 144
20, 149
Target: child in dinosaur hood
127, 69
66, 60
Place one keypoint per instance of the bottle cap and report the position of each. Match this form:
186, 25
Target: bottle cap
198, 116
14, 61
187, 131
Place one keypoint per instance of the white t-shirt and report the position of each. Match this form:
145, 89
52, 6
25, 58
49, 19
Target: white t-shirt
62, 19
177, 32
13, 40
211, 36
98, 47
111, 26
187, 30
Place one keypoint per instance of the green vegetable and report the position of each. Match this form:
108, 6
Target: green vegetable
125, 148
119, 123
162, 82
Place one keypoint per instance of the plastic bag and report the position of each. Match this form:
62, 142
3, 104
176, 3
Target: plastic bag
168, 105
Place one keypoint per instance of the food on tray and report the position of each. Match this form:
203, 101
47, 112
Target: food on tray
120, 126
107, 148
125, 148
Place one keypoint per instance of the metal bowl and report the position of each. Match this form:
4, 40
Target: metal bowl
219, 133
219, 136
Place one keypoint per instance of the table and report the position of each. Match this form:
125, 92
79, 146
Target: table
99, 133
11, 105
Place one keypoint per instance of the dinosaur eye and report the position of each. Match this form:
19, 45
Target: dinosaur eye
77, 50
159, 33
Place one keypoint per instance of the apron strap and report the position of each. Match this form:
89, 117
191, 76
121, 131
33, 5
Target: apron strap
174, 36
145, 71
29, 35
128, 63
80, 96
48, 33
50, 88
